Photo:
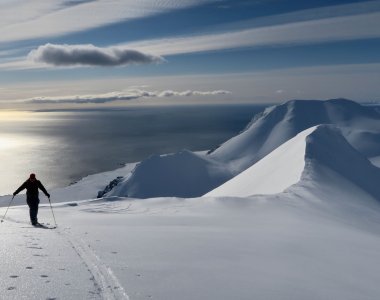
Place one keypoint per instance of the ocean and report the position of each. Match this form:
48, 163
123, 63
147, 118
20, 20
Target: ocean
62, 147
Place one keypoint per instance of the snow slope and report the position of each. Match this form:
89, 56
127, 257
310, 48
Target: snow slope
326, 148
306, 158
178, 171
196, 174
286, 246
273, 174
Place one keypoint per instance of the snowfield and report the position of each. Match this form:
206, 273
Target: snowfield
291, 246
300, 220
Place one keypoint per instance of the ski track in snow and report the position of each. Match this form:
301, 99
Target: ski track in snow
106, 283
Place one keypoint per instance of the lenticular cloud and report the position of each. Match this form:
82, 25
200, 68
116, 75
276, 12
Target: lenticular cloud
130, 94
170, 93
90, 55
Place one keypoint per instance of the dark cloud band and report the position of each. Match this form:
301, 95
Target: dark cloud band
90, 55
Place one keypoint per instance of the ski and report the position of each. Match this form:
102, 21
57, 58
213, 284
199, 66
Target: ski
42, 225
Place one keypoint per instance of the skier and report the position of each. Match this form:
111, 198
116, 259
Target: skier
32, 185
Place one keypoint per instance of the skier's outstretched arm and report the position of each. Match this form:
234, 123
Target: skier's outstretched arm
22, 187
42, 188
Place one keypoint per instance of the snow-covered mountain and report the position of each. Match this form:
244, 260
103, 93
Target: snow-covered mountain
280, 123
195, 174
306, 159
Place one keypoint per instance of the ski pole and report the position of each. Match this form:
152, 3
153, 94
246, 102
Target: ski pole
2, 220
52, 212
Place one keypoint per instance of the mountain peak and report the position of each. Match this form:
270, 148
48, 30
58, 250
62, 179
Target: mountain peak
306, 157
280, 123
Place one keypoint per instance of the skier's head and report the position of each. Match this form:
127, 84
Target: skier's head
32, 177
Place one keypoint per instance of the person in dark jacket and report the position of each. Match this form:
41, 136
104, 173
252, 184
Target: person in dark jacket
32, 185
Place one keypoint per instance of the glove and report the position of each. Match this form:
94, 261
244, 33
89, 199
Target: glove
14, 194
48, 195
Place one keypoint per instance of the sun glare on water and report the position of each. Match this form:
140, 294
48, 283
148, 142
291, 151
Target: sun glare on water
14, 115
10, 118
8, 142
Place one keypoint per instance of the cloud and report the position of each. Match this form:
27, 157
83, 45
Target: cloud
188, 93
300, 32
318, 25
75, 2
127, 95
315, 82
89, 55
25, 20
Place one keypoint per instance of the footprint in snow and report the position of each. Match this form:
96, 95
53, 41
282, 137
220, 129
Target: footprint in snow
13, 276
29, 268
11, 288
44, 276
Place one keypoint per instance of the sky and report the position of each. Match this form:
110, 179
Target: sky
105, 53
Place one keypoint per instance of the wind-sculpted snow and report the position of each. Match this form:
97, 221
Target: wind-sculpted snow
305, 159
189, 175
273, 174
365, 141
327, 148
183, 174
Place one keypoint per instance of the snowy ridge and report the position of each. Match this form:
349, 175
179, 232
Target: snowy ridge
305, 158
186, 174
327, 148
183, 174
282, 122
277, 171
